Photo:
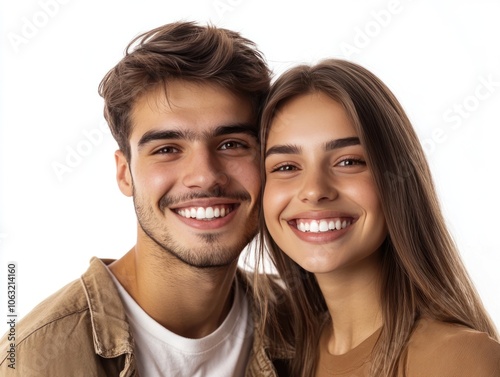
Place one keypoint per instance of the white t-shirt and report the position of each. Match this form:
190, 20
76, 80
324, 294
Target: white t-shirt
160, 352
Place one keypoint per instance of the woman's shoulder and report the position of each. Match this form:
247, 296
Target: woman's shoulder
443, 349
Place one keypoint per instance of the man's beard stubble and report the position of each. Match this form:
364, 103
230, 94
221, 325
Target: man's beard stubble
220, 255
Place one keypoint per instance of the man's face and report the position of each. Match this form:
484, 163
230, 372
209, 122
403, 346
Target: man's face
193, 172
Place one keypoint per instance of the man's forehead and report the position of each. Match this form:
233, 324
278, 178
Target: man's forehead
193, 117
177, 94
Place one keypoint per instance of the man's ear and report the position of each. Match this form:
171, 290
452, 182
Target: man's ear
123, 176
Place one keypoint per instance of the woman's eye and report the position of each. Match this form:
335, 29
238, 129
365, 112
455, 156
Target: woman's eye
284, 168
351, 162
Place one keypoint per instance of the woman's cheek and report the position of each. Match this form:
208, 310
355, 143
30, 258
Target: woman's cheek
274, 201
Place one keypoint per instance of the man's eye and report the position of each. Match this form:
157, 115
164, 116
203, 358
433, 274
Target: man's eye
167, 150
232, 145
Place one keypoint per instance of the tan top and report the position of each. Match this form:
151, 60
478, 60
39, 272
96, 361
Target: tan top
435, 349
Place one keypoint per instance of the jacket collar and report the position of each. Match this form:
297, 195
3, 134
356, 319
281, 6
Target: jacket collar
110, 328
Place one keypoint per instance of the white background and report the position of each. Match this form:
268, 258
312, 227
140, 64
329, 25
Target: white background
437, 57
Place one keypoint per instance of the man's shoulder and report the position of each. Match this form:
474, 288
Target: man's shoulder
67, 301
41, 336
76, 299
449, 349
70, 327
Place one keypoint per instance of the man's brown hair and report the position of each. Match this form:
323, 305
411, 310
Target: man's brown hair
186, 51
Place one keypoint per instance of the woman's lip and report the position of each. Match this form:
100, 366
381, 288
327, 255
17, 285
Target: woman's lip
322, 225
319, 215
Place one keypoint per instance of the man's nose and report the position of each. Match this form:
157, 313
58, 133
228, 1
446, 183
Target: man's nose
203, 170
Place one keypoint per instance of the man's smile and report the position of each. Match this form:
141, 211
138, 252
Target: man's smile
206, 213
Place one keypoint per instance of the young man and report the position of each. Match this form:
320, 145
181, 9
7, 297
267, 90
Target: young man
183, 106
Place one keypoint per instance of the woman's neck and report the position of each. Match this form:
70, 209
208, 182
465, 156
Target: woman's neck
353, 298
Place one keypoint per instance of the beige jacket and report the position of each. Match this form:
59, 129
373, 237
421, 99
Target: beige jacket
82, 331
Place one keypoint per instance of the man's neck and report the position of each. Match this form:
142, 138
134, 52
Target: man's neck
189, 301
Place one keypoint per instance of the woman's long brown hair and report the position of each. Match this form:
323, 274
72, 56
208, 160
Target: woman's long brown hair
422, 272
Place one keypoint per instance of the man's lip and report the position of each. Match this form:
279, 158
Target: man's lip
221, 215
209, 202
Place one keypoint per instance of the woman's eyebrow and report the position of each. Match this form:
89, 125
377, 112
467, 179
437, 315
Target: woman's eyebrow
341, 143
330, 145
283, 149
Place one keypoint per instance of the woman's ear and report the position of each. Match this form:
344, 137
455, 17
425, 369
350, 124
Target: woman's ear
123, 176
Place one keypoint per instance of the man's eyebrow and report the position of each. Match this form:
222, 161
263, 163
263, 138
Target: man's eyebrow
341, 143
164, 135
154, 135
239, 128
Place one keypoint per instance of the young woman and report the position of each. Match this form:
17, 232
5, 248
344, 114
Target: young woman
353, 225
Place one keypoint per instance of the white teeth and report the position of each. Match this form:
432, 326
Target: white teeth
323, 226
209, 213
201, 213
314, 227
318, 226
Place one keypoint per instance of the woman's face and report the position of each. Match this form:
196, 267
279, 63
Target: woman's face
320, 201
